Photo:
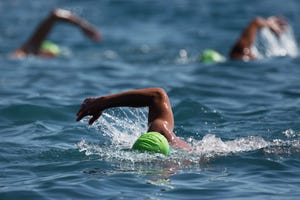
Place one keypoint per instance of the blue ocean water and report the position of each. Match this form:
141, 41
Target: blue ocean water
242, 118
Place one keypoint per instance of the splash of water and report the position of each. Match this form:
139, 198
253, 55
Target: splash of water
213, 145
123, 126
268, 44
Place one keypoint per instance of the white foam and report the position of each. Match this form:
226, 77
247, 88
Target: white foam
267, 44
213, 145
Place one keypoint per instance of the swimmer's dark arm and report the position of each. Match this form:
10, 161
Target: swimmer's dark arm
32, 45
151, 97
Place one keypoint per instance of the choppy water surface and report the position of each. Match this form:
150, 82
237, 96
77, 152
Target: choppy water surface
242, 118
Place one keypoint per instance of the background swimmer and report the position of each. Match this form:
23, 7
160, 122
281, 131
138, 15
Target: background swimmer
242, 48
35, 44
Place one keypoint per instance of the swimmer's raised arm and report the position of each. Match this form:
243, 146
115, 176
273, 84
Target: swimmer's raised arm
33, 44
242, 48
154, 98
160, 116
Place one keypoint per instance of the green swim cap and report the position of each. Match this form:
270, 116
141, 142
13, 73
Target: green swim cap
48, 46
210, 55
153, 142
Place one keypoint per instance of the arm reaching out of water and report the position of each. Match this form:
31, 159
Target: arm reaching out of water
160, 116
242, 48
33, 44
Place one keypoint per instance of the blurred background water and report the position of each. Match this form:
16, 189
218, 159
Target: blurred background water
242, 118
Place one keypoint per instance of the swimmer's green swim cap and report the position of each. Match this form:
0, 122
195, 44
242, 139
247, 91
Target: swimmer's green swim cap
152, 142
210, 55
48, 46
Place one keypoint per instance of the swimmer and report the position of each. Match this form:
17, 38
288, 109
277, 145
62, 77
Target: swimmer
37, 44
242, 48
160, 116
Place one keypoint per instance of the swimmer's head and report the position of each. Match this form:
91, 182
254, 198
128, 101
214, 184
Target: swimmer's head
152, 142
209, 55
50, 48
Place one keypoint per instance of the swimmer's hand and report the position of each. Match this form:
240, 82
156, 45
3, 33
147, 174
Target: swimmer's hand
91, 108
91, 32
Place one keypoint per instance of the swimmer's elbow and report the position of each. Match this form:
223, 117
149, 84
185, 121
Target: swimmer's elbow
159, 93
259, 22
60, 13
